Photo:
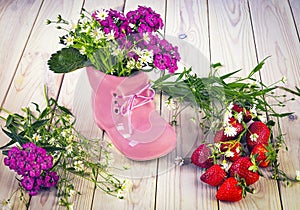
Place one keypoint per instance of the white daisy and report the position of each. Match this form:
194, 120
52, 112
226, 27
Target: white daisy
229, 153
227, 116
230, 106
101, 14
230, 131
78, 165
253, 137
130, 64
110, 35
36, 137
97, 33
69, 40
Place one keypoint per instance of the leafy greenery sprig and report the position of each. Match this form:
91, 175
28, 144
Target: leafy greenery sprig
53, 128
212, 95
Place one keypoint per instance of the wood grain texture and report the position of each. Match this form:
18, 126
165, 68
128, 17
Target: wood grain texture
212, 30
231, 36
23, 14
276, 36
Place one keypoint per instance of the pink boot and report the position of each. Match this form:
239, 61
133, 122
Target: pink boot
124, 108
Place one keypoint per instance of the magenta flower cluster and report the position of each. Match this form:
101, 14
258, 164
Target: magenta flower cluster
130, 30
143, 19
33, 164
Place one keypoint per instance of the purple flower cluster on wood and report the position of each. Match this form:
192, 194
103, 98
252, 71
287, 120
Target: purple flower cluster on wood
34, 166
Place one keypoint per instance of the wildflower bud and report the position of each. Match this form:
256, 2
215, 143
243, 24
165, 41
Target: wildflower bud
48, 22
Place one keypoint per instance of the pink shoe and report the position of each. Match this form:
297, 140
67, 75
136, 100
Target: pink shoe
124, 108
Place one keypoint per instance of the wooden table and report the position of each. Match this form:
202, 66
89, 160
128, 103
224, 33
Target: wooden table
237, 33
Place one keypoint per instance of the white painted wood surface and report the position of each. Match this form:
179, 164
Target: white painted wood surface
237, 33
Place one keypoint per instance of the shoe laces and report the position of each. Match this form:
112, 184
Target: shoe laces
134, 101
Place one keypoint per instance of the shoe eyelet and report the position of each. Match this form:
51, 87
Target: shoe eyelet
116, 110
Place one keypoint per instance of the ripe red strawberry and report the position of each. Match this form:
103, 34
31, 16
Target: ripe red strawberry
246, 113
232, 149
258, 133
230, 191
214, 176
263, 154
201, 157
221, 137
244, 168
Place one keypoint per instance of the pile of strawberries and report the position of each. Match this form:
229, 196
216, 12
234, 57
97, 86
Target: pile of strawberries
240, 148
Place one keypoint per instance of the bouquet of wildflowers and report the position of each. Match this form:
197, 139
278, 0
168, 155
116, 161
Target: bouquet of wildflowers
45, 150
115, 43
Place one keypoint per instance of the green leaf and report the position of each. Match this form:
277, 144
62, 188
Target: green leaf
229, 74
39, 123
8, 144
67, 60
53, 149
64, 109
258, 67
216, 65
282, 114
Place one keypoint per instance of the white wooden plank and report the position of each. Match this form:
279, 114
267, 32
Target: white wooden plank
180, 187
275, 35
16, 17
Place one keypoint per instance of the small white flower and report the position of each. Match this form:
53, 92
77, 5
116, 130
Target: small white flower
225, 165
6, 205
230, 131
36, 137
131, 25
170, 104
52, 141
297, 175
253, 137
239, 117
69, 149
82, 50
227, 116
78, 165
230, 106
229, 153
120, 194
138, 51
179, 161
69, 40
73, 26
110, 36
253, 110
138, 65
130, 64
97, 33
101, 14
127, 186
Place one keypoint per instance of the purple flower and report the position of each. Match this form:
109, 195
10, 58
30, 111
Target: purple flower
27, 183
162, 61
